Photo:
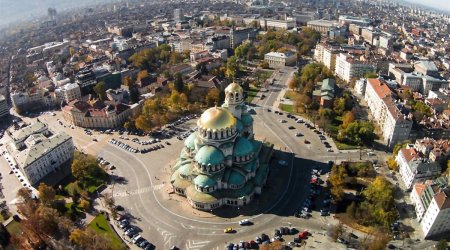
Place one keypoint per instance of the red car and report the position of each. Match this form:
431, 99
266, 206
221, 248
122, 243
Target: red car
307, 142
304, 234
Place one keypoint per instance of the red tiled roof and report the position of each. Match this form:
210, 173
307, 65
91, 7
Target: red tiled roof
442, 200
409, 153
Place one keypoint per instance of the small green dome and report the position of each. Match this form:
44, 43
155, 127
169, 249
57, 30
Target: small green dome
239, 126
204, 181
247, 119
185, 169
190, 141
235, 178
242, 147
209, 155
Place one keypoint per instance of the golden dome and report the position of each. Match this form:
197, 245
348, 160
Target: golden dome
234, 87
216, 118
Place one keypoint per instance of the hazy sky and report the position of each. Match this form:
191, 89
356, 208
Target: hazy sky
437, 4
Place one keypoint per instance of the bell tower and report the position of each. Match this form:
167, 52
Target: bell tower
234, 98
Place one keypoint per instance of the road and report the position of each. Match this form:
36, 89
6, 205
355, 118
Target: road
165, 220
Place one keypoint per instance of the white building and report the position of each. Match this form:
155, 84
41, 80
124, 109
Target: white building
278, 24
322, 26
432, 204
68, 92
4, 109
360, 86
414, 167
395, 125
347, 67
38, 151
279, 60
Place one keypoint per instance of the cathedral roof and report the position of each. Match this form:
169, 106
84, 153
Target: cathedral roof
204, 181
247, 119
209, 155
242, 147
190, 141
234, 87
217, 118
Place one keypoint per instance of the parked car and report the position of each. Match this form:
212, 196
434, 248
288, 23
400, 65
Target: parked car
244, 222
228, 230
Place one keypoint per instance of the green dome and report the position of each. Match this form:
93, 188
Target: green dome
247, 119
204, 181
209, 155
242, 147
190, 141
239, 126
185, 169
235, 178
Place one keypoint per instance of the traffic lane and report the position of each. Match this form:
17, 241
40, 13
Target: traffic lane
138, 198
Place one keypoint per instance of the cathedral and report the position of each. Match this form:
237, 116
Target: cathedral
221, 164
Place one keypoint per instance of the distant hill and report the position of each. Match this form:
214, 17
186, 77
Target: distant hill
16, 10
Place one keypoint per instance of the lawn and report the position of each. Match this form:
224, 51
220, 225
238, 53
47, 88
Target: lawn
101, 226
291, 95
251, 93
344, 146
289, 108
14, 227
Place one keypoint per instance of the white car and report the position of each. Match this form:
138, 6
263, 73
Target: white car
282, 121
244, 222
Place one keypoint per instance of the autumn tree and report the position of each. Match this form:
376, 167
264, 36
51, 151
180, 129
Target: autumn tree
347, 118
212, 98
100, 90
46, 194
89, 239
84, 168
337, 182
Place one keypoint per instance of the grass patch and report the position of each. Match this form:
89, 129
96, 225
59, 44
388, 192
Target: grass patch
344, 146
14, 228
289, 109
291, 95
251, 93
102, 227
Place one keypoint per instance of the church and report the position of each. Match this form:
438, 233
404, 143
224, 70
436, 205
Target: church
221, 164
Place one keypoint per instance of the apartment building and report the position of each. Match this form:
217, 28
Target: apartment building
415, 167
393, 119
432, 204
347, 67
37, 151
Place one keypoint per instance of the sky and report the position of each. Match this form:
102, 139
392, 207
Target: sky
437, 4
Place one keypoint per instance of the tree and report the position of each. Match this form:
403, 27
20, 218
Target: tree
232, 68
134, 94
392, 164
178, 84
370, 75
264, 65
85, 204
100, 90
337, 181
351, 210
339, 106
89, 239
336, 231
46, 194
85, 167
442, 245
212, 98
347, 118
293, 83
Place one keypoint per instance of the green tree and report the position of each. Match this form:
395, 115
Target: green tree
100, 90
232, 69
179, 84
442, 245
370, 75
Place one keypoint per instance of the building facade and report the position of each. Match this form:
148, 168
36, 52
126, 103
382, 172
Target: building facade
432, 204
221, 164
394, 122
280, 60
414, 167
37, 151
348, 67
